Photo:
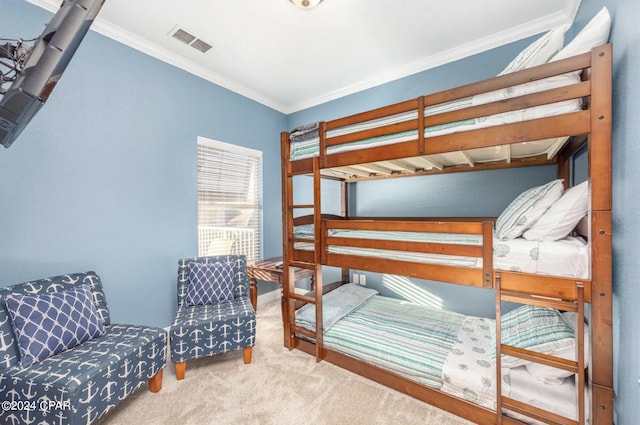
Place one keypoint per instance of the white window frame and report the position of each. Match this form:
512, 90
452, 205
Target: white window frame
242, 234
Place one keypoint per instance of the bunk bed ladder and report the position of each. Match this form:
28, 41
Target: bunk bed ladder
576, 367
292, 298
295, 298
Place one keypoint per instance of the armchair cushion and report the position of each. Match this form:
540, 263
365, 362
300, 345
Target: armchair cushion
47, 324
210, 283
205, 330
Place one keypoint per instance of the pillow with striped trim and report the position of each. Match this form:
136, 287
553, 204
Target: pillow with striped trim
526, 209
534, 328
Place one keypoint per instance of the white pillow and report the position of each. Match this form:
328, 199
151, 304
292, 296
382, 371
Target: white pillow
594, 34
563, 216
526, 209
538, 52
552, 375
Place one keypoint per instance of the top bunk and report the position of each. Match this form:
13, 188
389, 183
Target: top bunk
525, 118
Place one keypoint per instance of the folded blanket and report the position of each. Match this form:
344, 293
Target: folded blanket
305, 132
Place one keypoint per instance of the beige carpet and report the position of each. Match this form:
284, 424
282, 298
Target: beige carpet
278, 387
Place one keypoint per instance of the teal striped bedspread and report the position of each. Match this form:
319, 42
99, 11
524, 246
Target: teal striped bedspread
409, 339
441, 349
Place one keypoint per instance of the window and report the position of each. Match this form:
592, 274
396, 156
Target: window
229, 199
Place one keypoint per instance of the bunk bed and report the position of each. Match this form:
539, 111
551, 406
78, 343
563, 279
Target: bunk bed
540, 115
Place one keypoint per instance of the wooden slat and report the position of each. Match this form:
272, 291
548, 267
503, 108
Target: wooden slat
551, 69
380, 153
532, 161
304, 298
538, 129
302, 265
423, 247
300, 166
374, 132
541, 302
308, 219
573, 91
535, 412
449, 274
302, 256
303, 331
463, 227
544, 286
533, 356
382, 112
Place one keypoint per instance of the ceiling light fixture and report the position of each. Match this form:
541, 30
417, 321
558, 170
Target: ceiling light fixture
306, 4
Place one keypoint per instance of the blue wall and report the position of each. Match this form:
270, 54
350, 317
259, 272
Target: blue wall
104, 177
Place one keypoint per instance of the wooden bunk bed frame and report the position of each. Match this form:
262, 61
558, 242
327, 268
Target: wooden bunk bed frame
589, 128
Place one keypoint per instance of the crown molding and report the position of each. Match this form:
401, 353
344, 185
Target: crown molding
495, 40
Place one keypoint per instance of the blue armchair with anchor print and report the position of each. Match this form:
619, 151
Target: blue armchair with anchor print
62, 361
214, 312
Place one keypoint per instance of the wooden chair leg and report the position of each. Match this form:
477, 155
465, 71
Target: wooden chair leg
180, 369
155, 382
247, 355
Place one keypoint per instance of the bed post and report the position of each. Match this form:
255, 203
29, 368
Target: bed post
287, 229
344, 212
600, 236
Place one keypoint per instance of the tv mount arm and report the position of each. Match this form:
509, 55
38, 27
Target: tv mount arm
13, 56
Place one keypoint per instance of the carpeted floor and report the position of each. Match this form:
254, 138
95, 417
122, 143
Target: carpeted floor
279, 387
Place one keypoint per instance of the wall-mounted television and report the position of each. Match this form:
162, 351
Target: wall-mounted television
42, 66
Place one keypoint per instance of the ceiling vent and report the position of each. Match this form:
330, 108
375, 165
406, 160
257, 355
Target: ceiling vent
201, 45
190, 39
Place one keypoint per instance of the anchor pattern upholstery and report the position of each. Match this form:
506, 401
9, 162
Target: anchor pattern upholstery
78, 385
205, 330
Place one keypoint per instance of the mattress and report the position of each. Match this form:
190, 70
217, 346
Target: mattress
440, 349
301, 149
568, 257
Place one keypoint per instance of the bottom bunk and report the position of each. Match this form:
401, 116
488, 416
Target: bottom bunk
434, 354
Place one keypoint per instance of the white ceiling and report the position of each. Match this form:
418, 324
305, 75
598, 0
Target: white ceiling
290, 59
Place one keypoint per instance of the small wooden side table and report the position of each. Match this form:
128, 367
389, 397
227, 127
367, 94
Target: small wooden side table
268, 270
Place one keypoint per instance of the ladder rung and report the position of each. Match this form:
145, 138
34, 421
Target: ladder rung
305, 298
535, 412
304, 331
539, 301
545, 359
300, 265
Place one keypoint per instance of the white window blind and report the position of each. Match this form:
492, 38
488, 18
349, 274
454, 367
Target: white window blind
229, 199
